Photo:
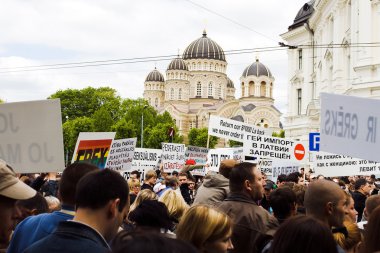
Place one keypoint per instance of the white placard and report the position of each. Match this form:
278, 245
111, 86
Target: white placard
238, 154
274, 148
31, 138
145, 159
350, 126
93, 147
173, 157
216, 156
121, 154
333, 165
232, 129
280, 167
266, 167
199, 155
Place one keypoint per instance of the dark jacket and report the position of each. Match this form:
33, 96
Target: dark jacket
250, 222
146, 186
214, 190
71, 237
359, 199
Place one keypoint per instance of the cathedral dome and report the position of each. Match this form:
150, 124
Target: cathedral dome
257, 69
155, 76
177, 64
204, 48
230, 84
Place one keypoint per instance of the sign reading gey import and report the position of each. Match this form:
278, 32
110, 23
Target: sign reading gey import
349, 126
31, 138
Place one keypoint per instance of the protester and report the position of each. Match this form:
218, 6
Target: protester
371, 240
184, 187
207, 229
215, 187
250, 220
349, 239
135, 175
351, 213
11, 190
37, 227
150, 180
32, 206
371, 204
134, 189
141, 196
135, 242
268, 188
302, 234
102, 203
192, 191
281, 179
171, 183
175, 204
53, 203
300, 190
362, 190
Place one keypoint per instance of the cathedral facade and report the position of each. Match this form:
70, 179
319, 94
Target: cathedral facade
196, 86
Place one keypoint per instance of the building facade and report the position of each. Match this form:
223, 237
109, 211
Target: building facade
334, 48
196, 86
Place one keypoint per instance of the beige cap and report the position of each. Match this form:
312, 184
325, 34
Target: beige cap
11, 186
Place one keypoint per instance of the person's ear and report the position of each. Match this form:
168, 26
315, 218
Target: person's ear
247, 185
329, 207
113, 208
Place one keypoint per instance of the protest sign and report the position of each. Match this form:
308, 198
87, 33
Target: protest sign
349, 126
199, 155
173, 157
93, 148
232, 129
333, 165
121, 154
145, 159
283, 167
237, 154
273, 148
31, 138
266, 166
216, 156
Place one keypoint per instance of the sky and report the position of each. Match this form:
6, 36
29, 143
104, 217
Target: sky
45, 32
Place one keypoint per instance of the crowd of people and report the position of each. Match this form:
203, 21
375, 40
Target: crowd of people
237, 210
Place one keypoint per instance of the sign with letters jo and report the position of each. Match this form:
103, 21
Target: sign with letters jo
349, 126
31, 138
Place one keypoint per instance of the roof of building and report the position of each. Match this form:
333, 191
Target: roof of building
155, 76
177, 64
230, 84
303, 15
257, 69
204, 48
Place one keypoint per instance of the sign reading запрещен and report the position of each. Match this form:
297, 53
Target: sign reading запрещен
349, 126
233, 130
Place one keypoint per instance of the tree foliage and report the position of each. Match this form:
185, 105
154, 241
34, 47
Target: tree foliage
198, 137
155, 135
233, 143
280, 134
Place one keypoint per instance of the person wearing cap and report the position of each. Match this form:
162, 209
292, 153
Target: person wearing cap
268, 188
362, 190
11, 190
215, 187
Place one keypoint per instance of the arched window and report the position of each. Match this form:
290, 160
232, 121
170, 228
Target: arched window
199, 66
171, 94
176, 75
211, 66
210, 89
180, 76
193, 68
220, 91
180, 94
263, 88
199, 89
156, 102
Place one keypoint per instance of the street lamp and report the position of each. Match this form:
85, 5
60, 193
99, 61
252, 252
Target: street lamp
142, 126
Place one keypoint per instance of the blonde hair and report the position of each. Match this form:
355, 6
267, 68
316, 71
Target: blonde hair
352, 240
141, 196
132, 183
175, 203
202, 224
149, 174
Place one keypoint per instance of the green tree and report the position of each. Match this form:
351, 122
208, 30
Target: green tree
102, 120
155, 135
198, 137
124, 129
1, 101
280, 134
233, 143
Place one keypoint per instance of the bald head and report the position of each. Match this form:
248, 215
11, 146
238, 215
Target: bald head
325, 200
371, 203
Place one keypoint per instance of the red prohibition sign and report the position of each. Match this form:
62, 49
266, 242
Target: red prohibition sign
299, 152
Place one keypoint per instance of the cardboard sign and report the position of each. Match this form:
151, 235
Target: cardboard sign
273, 148
173, 157
333, 165
233, 130
121, 154
349, 126
199, 155
145, 159
93, 148
216, 156
31, 138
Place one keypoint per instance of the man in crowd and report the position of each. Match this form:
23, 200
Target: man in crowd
362, 190
215, 187
250, 220
11, 190
37, 227
184, 187
171, 182
150, 180
102, 203
284, 203
135, 175
370, 204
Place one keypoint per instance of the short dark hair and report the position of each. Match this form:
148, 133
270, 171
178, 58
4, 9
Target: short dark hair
96, 189
282, 201
70, 178
38, 202
293, 177
359, 183
281, 178
183, 174
171, 181
240, 173
175, 173
135, 172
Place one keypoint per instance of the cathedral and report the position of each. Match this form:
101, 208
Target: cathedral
196, 86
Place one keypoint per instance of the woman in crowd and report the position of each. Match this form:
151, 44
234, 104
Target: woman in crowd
371, 239
141, 196
207, 229
351, 213
134, 189
302, 234
175, 204
349, 240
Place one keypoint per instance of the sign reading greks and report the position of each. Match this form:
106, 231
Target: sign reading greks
349, 126
31, 138
233, 130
